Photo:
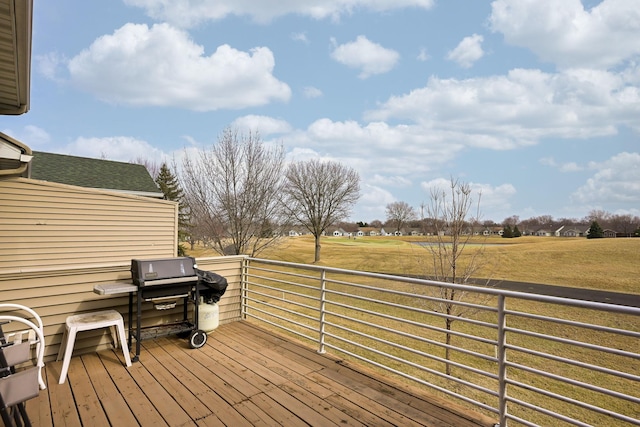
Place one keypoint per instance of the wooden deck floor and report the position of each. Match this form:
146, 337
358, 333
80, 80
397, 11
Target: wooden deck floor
243, 376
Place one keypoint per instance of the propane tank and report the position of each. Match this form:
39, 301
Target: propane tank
208, 316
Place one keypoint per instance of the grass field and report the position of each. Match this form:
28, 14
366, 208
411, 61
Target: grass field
606, 264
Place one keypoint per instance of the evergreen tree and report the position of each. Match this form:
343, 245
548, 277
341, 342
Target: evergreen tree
516, 232
171, 189
506, 232
595, 231
637, 232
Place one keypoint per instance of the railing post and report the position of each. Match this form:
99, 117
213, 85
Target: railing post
502, 360
243, 288
323, 296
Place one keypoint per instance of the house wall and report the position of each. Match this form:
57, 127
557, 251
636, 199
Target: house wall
58, 241
51, 225
59, 292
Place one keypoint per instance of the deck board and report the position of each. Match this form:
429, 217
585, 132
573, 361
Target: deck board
243, 376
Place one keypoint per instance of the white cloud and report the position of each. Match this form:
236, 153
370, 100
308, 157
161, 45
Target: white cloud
468, 51
564, 33
162, 66
372, 202
423, 55
520, 108
119, 148
616, 180
312, 92
300, 37
564, 167
263, 124
392, 181
370, 58
35, 137
50, 64
187, 13
490, 197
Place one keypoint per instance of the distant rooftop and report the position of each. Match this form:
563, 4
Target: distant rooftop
94, 173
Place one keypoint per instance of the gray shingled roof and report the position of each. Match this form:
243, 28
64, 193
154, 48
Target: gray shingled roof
93, 173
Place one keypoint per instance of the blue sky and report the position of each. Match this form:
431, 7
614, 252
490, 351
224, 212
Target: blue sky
534, 103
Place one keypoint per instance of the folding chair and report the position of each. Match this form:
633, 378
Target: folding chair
18, 386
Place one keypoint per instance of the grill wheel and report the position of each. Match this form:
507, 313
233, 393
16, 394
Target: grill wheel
198, 338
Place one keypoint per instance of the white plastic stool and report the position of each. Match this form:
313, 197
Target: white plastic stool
86, 322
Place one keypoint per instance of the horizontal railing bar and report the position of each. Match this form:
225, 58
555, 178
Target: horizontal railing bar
414, 309
411, 350
415, 379
310, 297
568, 400
483, 290
298, 333
412, 295
298, 304
574, 323
283, 318
348, 310
566, 380
288, 273
417, 324
575, 343
418, 338
546, 412
574, 362
286, 282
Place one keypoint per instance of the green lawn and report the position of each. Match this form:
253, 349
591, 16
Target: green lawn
606, 264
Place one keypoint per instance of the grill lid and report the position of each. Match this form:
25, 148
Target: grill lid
162, 271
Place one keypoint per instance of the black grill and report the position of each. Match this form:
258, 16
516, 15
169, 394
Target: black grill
163, 282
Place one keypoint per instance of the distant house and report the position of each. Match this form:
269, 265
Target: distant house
415, 232
609, 233
492, 231
368, 231
571, 231
544, 232
337, 232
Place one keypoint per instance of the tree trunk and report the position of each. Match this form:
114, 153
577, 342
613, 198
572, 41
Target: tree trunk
317, 251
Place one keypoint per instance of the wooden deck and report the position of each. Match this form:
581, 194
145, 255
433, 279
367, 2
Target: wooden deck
243, 376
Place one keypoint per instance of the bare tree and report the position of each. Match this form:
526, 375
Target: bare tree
233, 191
318, 194
399, 214
453, 220
152, 166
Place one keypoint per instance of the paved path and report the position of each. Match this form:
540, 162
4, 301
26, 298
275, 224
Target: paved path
632, 300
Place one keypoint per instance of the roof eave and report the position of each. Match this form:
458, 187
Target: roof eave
17, 20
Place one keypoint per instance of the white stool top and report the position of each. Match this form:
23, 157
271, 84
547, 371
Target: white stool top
94, 319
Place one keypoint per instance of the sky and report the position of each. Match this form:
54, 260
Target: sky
534, 103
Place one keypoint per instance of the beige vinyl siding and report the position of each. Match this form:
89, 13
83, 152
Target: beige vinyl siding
230, 267
57, 293
58, 241
51, 225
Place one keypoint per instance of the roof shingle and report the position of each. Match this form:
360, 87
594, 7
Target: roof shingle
93, 173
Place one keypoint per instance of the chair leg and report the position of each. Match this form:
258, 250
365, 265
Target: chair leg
71, 339
63, 344
6, 417
23, 412
123, 343
114, 335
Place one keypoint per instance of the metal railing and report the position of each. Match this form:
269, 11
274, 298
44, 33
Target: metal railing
525, 359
